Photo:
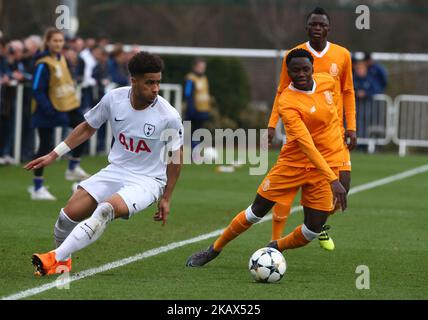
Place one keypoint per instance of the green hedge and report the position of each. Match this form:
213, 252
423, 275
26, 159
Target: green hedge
228, 81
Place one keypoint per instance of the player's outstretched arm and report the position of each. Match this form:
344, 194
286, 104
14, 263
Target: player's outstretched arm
42, 161
79, 135
173, 170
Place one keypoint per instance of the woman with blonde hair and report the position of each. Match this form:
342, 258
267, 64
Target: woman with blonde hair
56, 104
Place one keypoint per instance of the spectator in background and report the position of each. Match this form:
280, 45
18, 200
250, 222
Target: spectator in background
56, 105
88, 83
90, 43
22, 73
4, 112
77, 44
17, 74
102, 78
197, 96
3, 62
117, 66
100, 71
32, 45
16, 57
377, 72
75, 64
366, 87
103, 42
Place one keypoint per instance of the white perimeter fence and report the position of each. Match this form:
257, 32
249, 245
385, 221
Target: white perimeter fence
171, 92
380, 121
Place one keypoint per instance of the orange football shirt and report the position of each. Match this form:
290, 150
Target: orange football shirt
336, 61
314, 138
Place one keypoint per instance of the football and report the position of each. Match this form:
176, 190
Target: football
267, 265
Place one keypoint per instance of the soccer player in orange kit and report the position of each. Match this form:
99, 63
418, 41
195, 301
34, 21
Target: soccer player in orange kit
310, 160
335, 60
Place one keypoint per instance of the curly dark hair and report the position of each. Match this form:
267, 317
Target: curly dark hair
299, 53
144, 62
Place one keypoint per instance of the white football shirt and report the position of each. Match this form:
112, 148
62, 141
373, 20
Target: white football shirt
141, 137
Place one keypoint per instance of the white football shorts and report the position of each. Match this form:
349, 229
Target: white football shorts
138, 192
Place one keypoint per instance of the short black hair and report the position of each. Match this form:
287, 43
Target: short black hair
318, 10
367, 56
144, 62
299, 53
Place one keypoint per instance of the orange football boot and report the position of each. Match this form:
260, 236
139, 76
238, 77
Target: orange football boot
46, 264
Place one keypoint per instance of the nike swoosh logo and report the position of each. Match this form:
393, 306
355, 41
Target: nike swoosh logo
135, 206
115, 119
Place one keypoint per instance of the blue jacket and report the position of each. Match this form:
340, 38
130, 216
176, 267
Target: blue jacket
380, 76
45, 115
117, 75
368, 84
4, 69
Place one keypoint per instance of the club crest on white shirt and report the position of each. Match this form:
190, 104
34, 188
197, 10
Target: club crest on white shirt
149, 129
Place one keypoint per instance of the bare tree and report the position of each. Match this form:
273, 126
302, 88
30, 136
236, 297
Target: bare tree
277, 20
187, 22
19, 18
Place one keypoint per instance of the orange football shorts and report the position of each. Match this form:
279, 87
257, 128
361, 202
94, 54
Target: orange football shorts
283, 182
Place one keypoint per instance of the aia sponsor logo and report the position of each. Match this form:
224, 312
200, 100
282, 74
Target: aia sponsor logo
132, 145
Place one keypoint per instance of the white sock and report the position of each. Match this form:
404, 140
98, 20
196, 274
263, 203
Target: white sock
63, 226
308, 234
86, 232
250, 216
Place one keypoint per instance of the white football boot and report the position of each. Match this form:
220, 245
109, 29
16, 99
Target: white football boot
41, 194
77, 174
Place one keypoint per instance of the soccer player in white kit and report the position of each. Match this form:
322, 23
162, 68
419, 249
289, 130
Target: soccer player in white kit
145, 163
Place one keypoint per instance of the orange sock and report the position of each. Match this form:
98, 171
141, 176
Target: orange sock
279, 219
293, 240
238, 225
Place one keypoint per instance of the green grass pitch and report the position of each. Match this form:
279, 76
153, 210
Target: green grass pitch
385, 229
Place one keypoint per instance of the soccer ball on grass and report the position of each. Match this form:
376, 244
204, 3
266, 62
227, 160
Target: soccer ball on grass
267, 265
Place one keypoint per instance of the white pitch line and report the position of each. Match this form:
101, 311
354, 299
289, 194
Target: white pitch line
153, 252
395, 177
